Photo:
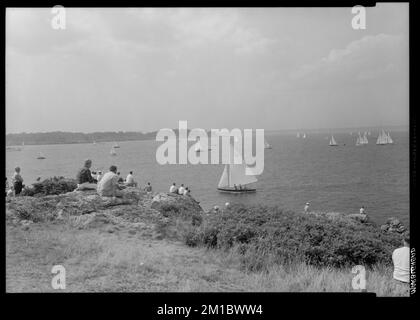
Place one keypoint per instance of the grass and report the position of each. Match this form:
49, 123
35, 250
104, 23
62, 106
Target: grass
99, 261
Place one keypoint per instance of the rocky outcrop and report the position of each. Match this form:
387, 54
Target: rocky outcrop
169, 201
393, 225
136, 211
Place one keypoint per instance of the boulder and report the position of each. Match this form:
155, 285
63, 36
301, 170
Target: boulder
173, 202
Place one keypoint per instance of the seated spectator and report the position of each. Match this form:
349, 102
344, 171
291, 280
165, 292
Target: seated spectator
401, 260
108, 186
99, 176
120, 179
85, 181
148, 188
181, 189
173, 188
129, 181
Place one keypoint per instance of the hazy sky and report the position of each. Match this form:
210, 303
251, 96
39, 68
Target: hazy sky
145, 69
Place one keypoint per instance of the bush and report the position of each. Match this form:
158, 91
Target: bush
50, 186
266, 235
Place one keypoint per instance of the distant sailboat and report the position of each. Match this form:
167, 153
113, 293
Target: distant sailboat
304, 136
234, 175
390, 141
333, 142
267, 145
383, 138
40, 156
113, 152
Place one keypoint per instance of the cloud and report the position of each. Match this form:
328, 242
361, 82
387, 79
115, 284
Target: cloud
369, 58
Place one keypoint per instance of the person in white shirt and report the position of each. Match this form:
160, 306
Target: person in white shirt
181, 189
187, 192
306, 208
129, 181
99, 176
108, 186
362, 210
173, 188
401, 260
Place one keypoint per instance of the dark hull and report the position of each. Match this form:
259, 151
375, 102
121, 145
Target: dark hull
236, 191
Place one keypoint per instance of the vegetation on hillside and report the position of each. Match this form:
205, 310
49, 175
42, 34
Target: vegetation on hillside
268, 235
54, 185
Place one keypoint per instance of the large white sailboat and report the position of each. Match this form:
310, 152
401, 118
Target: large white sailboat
333, 143
234, 178
361, 140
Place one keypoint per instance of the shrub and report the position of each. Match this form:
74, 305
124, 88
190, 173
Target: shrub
50, 186
267, 235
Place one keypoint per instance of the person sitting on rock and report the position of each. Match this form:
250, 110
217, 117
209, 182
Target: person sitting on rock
108, 186
85, 181
129, 181
401, 261
173, 188
120, 179
148, 188
181, 189
99, 176
187, 191
306, 208
362, 210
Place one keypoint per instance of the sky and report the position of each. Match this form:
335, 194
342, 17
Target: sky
143, 69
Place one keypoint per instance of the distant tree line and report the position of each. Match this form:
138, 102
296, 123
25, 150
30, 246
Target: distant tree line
58, 137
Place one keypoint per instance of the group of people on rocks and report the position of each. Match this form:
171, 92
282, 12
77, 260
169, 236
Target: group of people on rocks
109, 184
184, 191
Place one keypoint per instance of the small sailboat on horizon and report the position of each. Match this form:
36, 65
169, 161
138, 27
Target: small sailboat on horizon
333, 143
40, 156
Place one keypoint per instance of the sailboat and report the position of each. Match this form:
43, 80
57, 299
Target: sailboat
333, 143
364, 139
359, 140
390, 141
267, 145
112, 152
304, 136
234, 176
40, 156
382, 138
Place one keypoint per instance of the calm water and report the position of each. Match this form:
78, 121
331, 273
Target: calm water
296, 171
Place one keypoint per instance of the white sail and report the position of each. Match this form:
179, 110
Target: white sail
382, 138
234, 174
332, 141
304, 136
389, 139
359, 140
